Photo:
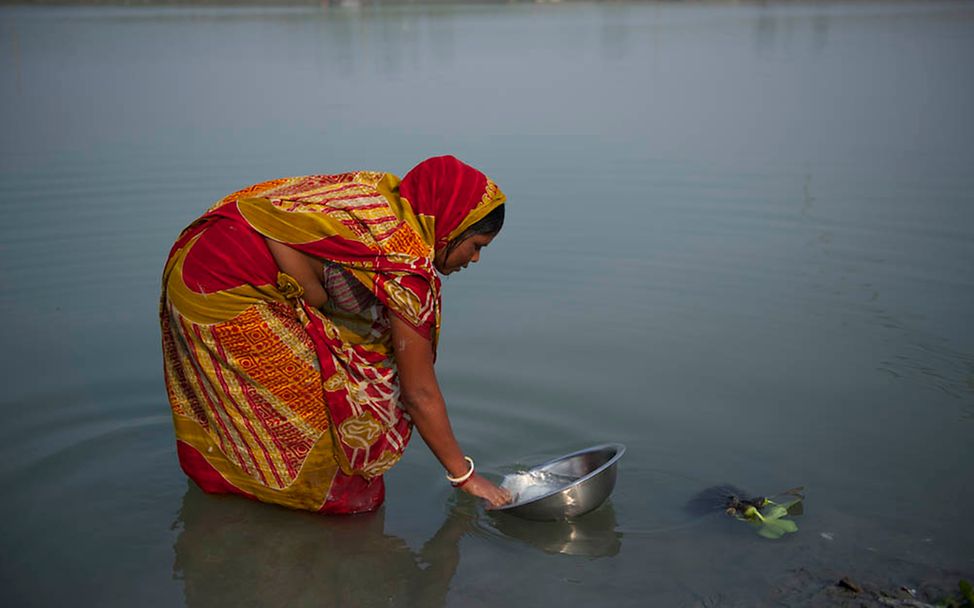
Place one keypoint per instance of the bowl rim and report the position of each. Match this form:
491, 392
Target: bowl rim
619, 448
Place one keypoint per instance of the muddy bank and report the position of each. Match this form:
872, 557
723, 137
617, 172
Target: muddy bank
847, 590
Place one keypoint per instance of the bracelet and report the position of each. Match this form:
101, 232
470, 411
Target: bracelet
458, 481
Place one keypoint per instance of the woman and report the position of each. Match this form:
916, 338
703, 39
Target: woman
300, 319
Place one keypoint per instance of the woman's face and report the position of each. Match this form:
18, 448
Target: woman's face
467, 252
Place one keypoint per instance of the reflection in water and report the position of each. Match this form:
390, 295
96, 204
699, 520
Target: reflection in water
232, 551
592, 535
614, 34
774, 30
820, 33
15, 55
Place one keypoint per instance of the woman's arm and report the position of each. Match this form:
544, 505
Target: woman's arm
420, 393
305, 269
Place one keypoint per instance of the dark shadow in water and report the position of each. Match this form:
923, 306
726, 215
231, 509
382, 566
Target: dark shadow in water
712, 500
232, 551
592, 535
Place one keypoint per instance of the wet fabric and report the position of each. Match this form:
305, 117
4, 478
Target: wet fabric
277, 400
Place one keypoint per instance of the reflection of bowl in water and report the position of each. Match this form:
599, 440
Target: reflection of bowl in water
592, 536
565, 487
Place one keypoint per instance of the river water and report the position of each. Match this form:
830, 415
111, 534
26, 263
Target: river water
740, 240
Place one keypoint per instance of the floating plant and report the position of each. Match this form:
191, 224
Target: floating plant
769, 516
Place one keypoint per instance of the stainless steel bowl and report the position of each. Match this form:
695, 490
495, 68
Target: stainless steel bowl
589, 475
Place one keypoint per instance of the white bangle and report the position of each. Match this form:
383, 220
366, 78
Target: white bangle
465, 476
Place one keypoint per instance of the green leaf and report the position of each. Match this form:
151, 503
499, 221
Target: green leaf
771, 532
788, 525
967, 592
776, 528
792, 500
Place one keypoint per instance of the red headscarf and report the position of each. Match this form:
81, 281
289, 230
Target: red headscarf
449, 195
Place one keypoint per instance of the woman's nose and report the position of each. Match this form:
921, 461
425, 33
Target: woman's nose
476, 257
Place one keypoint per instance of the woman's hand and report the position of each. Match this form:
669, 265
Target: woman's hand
481, 488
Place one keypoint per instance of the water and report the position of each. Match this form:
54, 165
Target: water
740, 241
525, 486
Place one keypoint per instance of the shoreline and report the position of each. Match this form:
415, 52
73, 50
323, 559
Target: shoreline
805, 587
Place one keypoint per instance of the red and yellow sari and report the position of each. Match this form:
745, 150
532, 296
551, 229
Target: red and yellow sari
282, 402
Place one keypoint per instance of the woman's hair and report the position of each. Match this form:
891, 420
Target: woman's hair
489, 224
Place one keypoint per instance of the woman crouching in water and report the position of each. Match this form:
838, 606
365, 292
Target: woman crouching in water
300, 319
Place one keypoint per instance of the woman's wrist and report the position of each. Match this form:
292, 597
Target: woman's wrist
454, 462
459, 480
464, 482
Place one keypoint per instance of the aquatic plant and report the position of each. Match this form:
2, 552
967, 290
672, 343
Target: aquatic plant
768, 516
966, 597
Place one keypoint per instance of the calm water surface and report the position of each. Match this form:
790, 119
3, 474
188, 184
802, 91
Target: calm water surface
740, 241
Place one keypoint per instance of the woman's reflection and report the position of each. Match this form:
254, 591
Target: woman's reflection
233, 551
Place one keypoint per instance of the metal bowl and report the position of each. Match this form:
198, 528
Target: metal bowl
589, 476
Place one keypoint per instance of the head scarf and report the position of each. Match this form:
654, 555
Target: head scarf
448, 196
